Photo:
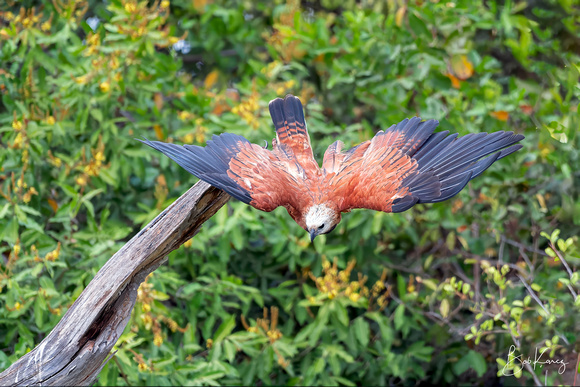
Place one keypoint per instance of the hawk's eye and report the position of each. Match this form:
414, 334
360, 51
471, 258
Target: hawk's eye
321, 226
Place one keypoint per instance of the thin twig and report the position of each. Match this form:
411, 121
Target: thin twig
528, 262
561, 258
534, 296
567, 268
123, 375
500, 252
577, 367
522, 246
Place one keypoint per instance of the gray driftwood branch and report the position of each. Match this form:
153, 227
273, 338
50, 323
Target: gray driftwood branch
77, 348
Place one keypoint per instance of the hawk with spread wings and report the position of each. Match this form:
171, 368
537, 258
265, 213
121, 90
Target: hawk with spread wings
404, 165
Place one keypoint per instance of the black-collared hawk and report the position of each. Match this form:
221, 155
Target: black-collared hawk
404, 165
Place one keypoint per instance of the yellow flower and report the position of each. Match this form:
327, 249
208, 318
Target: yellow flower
146, 308
114, 63
158, 340
17, 125
184, 116
46, 26
173, 40
20, 183
26, 22
354, 297
16, 249
18, 141
81, 80
143, 367
209, 343
4, 33
188, 139
165, 4
28, 195
99, 156
131, 7
274, 335
50, 120
105, 86
8, 16
81, 180
53, 255
56, 162
17, 306
147, 321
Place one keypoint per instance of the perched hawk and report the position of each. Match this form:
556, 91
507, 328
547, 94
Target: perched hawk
400, 167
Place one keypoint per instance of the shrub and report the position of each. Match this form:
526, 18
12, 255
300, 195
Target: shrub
437, 294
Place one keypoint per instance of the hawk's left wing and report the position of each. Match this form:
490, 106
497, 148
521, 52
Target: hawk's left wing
409, 164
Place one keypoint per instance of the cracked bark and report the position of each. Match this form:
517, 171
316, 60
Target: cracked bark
78, 347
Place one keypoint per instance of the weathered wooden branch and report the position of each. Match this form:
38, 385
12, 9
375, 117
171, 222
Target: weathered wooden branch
75, 351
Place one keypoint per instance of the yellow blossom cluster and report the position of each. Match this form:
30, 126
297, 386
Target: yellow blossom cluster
146, 296
20, 139
53, 255
248, 110
139, 22
91, 168
285, 87
50, 256
268, 328
198, 136
265, 326
19, 187
185, 116
271, 68
142, 365
25, 19
334, 283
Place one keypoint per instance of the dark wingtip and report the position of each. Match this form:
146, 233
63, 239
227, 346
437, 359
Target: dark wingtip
274, 101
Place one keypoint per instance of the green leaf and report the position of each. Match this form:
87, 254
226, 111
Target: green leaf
39, 308
399, 317
362, 331
225, 328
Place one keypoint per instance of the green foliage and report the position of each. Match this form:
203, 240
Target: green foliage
437, 294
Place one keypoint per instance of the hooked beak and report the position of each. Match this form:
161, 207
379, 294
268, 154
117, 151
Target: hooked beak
313, 234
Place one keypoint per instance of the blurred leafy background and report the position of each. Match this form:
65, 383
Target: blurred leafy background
436, 294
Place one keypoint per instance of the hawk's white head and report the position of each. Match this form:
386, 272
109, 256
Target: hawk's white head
320, 219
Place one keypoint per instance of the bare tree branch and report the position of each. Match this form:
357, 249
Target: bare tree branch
78, 347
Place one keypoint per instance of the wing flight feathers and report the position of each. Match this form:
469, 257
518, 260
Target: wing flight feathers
409, 164
288, 117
